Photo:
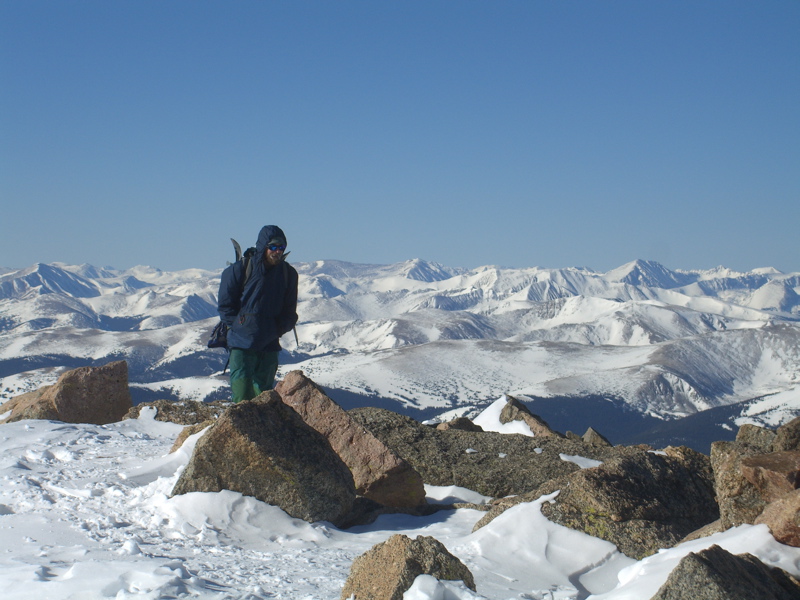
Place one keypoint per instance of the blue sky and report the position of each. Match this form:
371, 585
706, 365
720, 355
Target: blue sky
516, 133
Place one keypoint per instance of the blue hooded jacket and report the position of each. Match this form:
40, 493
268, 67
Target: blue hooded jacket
258, 315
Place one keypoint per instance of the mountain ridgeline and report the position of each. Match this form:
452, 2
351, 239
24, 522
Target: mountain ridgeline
642, 353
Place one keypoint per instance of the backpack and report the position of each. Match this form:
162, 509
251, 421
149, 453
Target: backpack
219, 335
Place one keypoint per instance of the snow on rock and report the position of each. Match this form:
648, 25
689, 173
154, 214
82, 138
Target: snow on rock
489, 420
85, 512
581, 461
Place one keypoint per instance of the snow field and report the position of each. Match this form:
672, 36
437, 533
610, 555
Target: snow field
85, 514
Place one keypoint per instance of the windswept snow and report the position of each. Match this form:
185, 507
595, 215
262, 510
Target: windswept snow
85, 514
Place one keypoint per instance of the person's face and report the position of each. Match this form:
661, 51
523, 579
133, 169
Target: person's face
273, 254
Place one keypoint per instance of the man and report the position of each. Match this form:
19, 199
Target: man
258, 314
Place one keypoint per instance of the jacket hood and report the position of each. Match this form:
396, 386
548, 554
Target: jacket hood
266, 235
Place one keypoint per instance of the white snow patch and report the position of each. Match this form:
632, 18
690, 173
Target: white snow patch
581, 461
489, 420
85, 512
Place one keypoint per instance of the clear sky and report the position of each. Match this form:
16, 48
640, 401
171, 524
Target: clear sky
516, 133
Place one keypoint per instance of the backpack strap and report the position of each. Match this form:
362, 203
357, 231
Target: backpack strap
248, 265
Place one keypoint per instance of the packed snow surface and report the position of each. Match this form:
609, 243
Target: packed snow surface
86, 513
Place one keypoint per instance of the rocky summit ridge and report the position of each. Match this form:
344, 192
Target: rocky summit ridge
282, 448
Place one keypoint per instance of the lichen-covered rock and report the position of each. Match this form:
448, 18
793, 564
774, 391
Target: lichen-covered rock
704, 531
188, 431
595, 438
759, 438
787, 436
641, 502
490, 463
182, 412
461, 423
262, 448
716, 574
739, 500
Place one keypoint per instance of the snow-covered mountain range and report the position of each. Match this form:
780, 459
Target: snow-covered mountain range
643, 353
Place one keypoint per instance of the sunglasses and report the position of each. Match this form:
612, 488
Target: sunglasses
276, 248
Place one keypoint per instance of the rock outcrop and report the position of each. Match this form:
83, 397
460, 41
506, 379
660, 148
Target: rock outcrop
493, 464
262, 448
297, 449
738, 499
388, 569
774, 475
595, 438
783, 519
462, 423
758, 438
787, 437
641, 502
757, 477
514, 410
716, 574
379, 474
183, 412
187, 432
97, 395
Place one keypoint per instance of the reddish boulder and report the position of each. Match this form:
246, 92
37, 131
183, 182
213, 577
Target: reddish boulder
386, 571
774, 474
379, 474
97, 395
783, 519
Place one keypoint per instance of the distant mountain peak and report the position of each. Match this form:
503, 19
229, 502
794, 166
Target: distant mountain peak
429, 337
774, 295
421, 270
46, 278
647, 273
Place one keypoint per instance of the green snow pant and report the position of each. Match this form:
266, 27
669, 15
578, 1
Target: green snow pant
252, 372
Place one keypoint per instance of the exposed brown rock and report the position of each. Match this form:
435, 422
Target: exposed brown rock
596, 439
97, 395
490, 463
739, 500
774, 474
716, 574
262, 448
783, 519
788, 436
388, 570
514, 410
188, 431
460, 423
379, 474
640, 501
182, 412
704, 531
759, 438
